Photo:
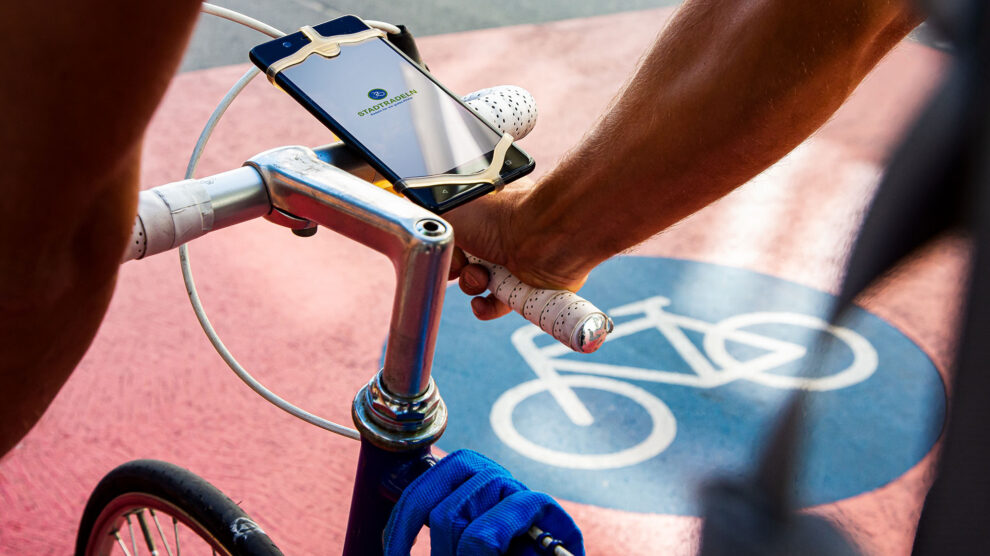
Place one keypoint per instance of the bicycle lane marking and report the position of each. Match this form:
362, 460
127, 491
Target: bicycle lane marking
663, 425
779, 352
548, 376
595, 429
863, 365
673, 333
662, 433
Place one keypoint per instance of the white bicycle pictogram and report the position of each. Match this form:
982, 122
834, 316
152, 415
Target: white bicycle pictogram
713, 367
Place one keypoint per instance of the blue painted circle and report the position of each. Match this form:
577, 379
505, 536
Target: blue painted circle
377, 94
862, 435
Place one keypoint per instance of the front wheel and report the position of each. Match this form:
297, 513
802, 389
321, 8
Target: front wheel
149, 506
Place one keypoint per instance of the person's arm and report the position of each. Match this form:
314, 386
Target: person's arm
81, 80
728, 88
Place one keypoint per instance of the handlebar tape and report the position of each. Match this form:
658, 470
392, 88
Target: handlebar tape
509, 108
563, 314
168, 216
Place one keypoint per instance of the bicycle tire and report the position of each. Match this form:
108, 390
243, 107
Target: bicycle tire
166, 488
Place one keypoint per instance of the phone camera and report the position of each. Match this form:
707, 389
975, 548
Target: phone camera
508, 163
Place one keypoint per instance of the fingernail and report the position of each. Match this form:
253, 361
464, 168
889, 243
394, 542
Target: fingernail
472, 279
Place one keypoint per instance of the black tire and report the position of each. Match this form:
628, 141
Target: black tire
174, 491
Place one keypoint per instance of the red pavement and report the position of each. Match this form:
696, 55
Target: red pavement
309, 316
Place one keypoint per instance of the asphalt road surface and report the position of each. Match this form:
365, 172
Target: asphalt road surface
217, 42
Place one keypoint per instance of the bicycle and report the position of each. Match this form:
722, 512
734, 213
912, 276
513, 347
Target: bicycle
399, 414
547, 365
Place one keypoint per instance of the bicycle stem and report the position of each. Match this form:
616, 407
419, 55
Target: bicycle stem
400, 409
399, 413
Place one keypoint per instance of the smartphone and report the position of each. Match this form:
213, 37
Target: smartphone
404, 122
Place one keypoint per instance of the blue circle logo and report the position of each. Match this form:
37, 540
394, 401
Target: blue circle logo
701, 360
377, 94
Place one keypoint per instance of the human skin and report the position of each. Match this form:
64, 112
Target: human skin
727, 89
81, 80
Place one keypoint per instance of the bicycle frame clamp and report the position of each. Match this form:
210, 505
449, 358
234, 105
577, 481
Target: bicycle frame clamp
328, 47
489, 175
397, 423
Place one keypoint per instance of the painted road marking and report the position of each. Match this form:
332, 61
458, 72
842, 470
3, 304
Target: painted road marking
702, 358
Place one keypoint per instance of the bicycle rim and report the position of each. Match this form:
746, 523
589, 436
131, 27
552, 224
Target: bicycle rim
140, 523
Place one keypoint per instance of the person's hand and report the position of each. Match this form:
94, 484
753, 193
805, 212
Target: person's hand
498, 229
474, 507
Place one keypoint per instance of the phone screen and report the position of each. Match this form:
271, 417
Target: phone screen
396, 112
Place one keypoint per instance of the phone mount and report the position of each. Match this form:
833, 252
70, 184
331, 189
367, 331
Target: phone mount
489, 175
329, 47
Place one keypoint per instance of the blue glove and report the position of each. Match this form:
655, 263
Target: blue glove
474, 507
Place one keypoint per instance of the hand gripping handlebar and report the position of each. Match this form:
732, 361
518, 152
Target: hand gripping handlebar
175, 213
563, 314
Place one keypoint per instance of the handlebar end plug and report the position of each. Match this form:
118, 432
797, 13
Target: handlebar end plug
591, 333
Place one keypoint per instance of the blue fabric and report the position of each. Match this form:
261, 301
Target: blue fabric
474, 507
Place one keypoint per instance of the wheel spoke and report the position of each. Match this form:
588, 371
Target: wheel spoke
120, 541
161, 533
149, 541
130, 529
175, 527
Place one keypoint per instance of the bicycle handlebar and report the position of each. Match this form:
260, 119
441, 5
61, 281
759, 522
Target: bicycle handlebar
175, 213
569, 318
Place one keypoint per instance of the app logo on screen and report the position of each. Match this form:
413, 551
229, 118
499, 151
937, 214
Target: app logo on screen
377, 94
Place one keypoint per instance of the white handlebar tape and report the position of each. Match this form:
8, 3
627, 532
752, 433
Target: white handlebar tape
168, 216
563, 314
509, 108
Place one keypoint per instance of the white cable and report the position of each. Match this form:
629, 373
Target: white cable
238, 17
387, 27
218, 112
242, 373
253, 23
184, 263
